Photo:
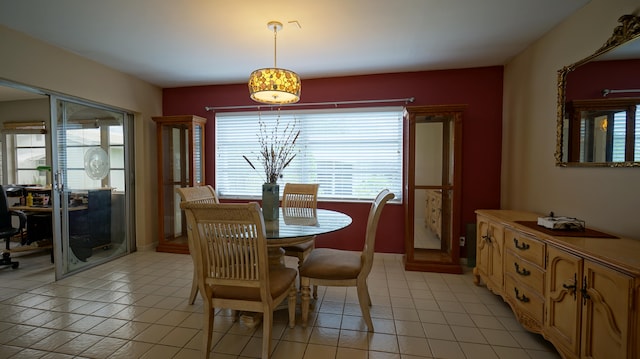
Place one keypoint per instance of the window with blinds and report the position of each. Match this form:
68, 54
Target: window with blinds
619, 136
352, 153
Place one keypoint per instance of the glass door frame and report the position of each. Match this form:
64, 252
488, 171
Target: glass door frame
60, 200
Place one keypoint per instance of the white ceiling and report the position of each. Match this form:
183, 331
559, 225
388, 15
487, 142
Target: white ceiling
173, 43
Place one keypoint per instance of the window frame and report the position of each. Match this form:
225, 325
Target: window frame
390, 147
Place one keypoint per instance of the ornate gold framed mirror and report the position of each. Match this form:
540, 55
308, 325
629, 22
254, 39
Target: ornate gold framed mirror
598, 111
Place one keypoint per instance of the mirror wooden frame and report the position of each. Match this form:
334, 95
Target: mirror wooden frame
628, 30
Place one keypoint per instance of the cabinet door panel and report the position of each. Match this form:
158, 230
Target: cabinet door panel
605, 312
490, 253
563, 305
497, 254
482, 247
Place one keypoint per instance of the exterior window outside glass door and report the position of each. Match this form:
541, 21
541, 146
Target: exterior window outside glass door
89, 180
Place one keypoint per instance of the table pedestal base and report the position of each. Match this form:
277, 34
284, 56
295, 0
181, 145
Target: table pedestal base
251, 319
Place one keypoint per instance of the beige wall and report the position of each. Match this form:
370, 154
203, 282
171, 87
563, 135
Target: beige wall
607, 198
30, 62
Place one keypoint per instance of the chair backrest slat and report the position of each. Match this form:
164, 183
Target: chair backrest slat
300, 199
202, 194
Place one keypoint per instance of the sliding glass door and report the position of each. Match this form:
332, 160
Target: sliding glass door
90, 196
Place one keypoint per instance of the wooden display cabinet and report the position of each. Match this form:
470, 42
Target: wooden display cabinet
180, 141
432, 188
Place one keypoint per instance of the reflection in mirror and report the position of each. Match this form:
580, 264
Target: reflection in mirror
600, 131
433, 175
432, 223
597, 100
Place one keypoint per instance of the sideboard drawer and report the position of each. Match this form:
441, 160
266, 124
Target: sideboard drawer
526, 247
525, 298
524, 272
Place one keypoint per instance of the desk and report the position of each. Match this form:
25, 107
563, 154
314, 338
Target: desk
39, 224
46, 208
89, 224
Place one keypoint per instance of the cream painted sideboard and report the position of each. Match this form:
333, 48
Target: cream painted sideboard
581, 293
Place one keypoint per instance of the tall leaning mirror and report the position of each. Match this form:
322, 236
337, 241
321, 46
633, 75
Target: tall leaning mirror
599, 103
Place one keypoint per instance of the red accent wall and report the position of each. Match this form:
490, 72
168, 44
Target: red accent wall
478, 88
588, 80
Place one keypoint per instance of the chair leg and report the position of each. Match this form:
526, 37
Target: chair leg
207, 325
365, 300
194, 288
306, 291
267, 323
300, 261
293, 294
6, 261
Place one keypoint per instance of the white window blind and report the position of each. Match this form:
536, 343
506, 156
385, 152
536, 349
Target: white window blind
352, 153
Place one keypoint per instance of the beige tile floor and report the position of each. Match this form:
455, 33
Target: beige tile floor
136, 307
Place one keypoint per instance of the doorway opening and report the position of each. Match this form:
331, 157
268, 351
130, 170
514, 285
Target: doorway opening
67, 165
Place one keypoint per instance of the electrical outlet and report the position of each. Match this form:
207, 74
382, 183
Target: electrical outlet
463, 240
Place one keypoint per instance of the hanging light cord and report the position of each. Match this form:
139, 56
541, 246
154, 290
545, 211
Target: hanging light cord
275, 48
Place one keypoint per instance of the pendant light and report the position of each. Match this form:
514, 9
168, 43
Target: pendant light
274, 85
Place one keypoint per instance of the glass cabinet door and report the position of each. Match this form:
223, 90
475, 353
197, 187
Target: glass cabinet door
180, 164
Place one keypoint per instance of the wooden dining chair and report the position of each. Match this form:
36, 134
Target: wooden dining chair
230, 243
341, 268
300, 200
199, 194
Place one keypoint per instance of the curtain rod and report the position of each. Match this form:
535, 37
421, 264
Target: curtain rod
335, 103
605, 92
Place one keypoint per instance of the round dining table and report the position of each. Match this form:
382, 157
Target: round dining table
289, 230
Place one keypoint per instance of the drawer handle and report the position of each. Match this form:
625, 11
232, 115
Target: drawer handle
522, 247
584, 291
523, 298
487, 238
523, 271
571, 288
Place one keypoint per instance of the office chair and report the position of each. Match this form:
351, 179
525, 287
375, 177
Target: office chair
6, 228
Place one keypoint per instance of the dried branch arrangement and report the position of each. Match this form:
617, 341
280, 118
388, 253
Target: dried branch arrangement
277, 147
